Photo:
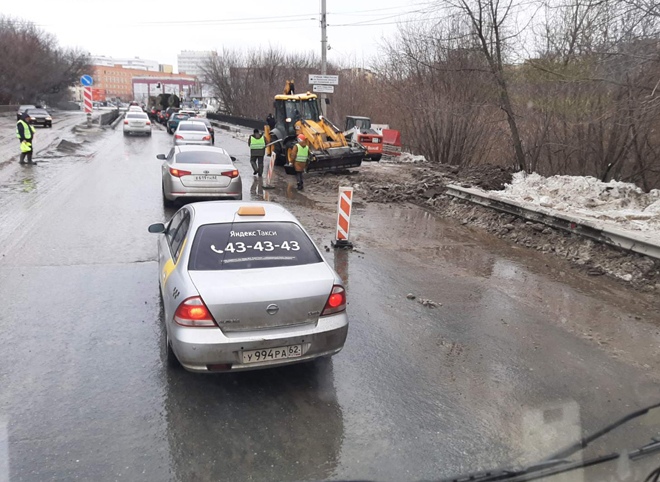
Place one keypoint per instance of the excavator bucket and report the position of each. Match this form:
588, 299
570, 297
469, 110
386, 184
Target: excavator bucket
333, 159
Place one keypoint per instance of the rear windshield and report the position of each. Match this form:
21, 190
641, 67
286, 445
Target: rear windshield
202, 157
179, 116
251, 245
137, 116
192, 127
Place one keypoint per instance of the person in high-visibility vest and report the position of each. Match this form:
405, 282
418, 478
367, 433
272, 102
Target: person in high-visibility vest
25, 134
299, 157
257, 145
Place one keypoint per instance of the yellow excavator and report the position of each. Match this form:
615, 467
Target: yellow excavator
300, 114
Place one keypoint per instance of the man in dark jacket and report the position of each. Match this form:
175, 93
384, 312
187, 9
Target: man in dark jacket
25, 134
257, 150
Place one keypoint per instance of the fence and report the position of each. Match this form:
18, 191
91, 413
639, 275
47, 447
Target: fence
241, 121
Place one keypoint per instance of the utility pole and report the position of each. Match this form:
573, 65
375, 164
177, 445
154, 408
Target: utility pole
324, 50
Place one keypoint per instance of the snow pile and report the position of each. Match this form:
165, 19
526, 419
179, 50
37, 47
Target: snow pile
621, 204
405, 158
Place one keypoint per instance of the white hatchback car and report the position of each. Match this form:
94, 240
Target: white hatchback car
244, 287
137, 123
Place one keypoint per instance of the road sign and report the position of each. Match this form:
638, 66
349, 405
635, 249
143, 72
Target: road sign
86, 80
324, 79
325, 89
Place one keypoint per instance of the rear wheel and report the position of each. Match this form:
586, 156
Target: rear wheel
169, 131
376, 157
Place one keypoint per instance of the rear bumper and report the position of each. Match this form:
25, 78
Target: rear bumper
175, 189
197, 348
137, 129
191, 143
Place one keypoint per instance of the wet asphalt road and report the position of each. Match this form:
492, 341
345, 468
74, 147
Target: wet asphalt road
522, 356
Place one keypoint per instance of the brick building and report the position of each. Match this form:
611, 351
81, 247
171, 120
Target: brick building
117, 81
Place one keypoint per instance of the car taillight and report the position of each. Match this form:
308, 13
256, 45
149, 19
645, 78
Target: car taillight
178, 136
179, 172
336, 301
148, 123
233, 173
125, 122
206, 138
193, 312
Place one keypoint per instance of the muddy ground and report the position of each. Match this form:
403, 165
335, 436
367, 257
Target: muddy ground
422, 183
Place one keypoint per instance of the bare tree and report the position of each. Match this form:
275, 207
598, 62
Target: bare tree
33, 66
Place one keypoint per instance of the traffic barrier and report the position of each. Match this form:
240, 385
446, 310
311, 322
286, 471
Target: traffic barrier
344, 206
87, 98
638, 242
269, 173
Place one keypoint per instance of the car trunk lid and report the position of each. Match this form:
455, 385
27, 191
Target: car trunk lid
256, 299
205, 175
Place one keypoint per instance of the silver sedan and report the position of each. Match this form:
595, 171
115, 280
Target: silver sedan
199, 172
244, 287
189, 132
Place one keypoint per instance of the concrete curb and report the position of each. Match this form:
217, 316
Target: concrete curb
628, 241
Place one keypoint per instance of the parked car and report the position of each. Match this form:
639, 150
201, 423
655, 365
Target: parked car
244, 287
22, 109
208, 125
190, 132
174, 120
40, 117
137, 123
199, 172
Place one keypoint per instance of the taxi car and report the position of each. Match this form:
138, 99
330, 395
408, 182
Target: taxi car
244, 287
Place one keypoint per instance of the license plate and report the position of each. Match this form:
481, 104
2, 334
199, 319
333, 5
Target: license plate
206, 178
272, 354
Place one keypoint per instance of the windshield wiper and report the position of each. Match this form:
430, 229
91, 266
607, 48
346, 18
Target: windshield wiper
558, 462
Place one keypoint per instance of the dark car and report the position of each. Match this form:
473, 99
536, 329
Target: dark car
40, 117
174, 120
22, 109
168, 113
208, 125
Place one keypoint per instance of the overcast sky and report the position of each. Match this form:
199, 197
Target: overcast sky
159, 30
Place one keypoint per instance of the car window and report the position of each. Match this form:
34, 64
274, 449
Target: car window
202, 157
179, 236
37, 111
173, 226
230, 246
135, 115
193, 127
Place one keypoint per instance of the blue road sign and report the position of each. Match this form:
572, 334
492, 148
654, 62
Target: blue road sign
86, 80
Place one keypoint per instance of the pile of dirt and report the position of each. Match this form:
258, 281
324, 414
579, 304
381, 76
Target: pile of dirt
423, 183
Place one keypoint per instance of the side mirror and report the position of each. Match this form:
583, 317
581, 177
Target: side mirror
157, 228
161, 156
233, 158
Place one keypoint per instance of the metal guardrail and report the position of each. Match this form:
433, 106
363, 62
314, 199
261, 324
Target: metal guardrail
241, 121
625, 240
